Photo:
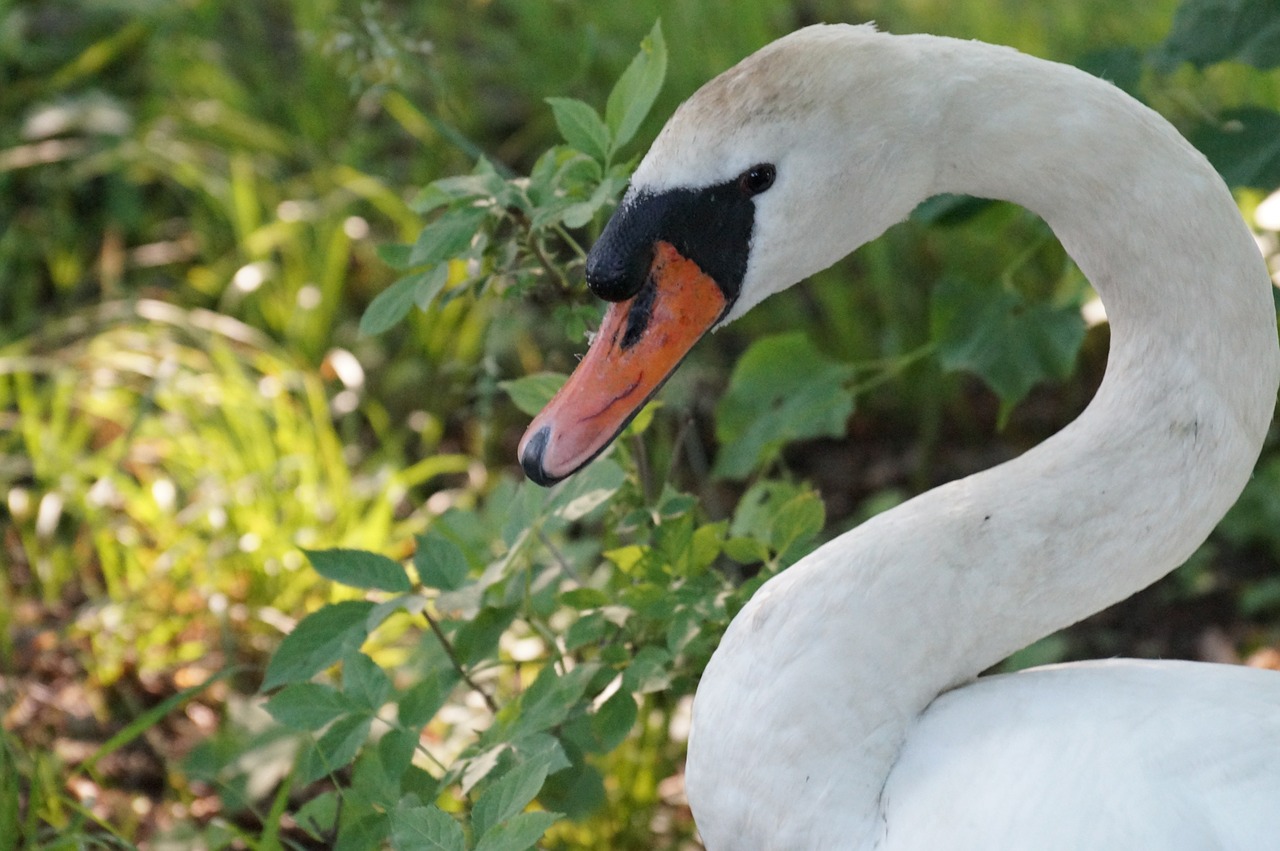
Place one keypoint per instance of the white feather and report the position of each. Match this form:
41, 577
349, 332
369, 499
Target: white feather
841, 709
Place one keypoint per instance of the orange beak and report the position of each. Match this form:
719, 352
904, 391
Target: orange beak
639, 345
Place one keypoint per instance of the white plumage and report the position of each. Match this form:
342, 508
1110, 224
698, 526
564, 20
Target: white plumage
841, 709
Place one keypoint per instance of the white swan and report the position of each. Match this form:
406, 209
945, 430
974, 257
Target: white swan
841, 709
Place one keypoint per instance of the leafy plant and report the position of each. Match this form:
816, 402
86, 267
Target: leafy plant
638, 626
496, 233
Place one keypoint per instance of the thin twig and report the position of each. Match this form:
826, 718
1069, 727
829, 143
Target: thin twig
572, 243
641, 456
558, 556
677, 445
552, 268
457, 665
893, 368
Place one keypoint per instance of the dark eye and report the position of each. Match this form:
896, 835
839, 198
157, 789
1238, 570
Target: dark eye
757, 179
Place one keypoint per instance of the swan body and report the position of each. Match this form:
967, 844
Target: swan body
843, 708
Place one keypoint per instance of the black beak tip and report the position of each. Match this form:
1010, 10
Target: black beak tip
531, 458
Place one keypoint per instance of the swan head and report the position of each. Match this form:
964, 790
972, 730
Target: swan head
774, 170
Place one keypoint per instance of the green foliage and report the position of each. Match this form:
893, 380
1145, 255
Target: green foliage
1209, 31
499, 233
1010, 345
360, 570
781, 390
425, 827
473, 663
633, 95
1244, 146
642, 623
175, 462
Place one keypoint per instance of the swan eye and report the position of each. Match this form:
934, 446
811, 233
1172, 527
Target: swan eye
757, 179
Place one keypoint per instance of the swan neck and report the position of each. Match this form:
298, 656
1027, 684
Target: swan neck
925, 597
1131, 488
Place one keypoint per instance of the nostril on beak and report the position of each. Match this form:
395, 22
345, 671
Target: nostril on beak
531, 457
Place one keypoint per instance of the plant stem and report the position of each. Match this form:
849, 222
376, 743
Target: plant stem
571, 242
457, 664
552, 268
560, 560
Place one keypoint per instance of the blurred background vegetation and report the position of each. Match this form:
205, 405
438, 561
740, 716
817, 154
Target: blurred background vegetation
192, 199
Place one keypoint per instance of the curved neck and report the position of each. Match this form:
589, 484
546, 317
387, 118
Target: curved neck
924, 597
1129, 490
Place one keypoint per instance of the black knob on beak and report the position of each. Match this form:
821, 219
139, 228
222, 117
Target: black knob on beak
617, 267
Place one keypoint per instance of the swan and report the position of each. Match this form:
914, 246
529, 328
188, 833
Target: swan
843, 708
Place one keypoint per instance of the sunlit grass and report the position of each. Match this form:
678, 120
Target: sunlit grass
175, 463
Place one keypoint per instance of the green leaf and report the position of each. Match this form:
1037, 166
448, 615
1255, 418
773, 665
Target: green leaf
542, 748
360, 569
684, 626
318, 642
612, 722
782, 389
551, 699
708, 543
430, 197
440, 562
586, 630
396, 749
581, 127
508, 795
996, 336
634, 93
338, 746
12, 799
361, 834
532, 393
418, 827
371, 781
422, 701
389, 306
364, 681
585, 598
307, 706
1119, 65
1208, 31
395, 255
1047, 651
476, 768
648, 671
949, 209
429, 285
477, 639
1244, 146
759, 507
1261, 599
448, 236
746, 550
319, 816
588, 490
797, 522
462, 190
577, 792
580, 214
519, 834
411, 603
